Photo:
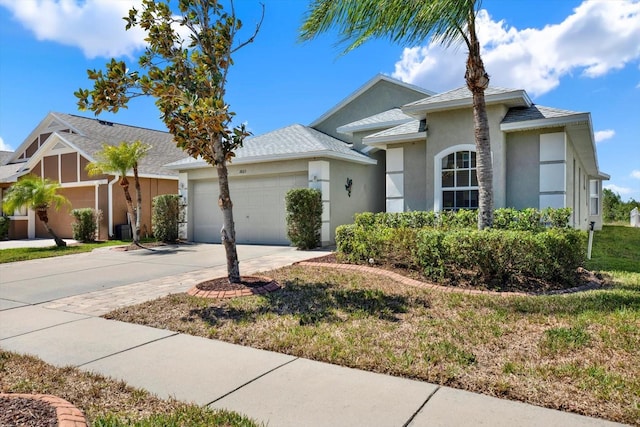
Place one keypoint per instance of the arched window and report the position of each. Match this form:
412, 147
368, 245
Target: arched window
456, 180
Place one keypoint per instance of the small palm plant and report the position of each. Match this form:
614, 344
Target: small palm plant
119, 160
37, 194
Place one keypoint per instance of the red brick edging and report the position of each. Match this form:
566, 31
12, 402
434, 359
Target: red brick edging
270, 287
68, 415
426, 285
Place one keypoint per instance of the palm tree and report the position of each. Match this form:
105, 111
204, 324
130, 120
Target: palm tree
119, 160
37, 194
413, 21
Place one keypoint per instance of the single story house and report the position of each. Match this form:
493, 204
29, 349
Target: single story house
391, 146
61, 146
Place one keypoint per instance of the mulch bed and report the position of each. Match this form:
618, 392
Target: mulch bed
20, 411
222, 288
584, 280
223, 284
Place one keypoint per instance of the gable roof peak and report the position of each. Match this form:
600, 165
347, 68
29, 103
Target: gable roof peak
462, 97
362, 89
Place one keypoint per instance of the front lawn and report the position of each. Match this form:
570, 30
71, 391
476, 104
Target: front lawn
576, 352
24, 254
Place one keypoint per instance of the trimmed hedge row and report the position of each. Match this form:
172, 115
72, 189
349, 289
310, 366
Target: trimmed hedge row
504, 219
495, 258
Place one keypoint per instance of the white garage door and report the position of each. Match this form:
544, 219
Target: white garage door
258, 209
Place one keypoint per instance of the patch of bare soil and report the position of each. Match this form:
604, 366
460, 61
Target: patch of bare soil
20, 411
223, 284
584, 279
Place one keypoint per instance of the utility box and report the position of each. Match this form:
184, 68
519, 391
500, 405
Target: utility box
123, 232
635, 218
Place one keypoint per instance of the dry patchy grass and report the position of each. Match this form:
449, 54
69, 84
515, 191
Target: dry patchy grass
104, 402
576, 352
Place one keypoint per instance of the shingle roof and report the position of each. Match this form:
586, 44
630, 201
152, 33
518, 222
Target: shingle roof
391, 117
535, 112
5, 156
294, 141
94, 133
462, 97
413, 127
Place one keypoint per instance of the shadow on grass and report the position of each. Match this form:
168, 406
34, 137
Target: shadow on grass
600, 301
314, 303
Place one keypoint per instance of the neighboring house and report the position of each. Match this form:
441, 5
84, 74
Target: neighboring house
61, 146
397, 147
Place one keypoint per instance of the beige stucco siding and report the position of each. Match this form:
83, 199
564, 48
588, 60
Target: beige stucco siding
381, 97
415, 176
366, 196
523, 170
450, 128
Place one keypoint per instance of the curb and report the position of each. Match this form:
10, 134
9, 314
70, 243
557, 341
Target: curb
68, 415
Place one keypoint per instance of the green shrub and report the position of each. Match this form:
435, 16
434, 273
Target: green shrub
557, 218
85, 227
165, 217
304, 217
359, 244
5, 221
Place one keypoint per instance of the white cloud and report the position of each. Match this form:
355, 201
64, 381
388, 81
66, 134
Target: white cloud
635, 174
3, 146
600, 36
623, 191
603, 135
95, 26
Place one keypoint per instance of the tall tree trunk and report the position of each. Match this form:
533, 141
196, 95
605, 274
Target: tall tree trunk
136, 229
228, 232
124, 183
477, 81
42, 215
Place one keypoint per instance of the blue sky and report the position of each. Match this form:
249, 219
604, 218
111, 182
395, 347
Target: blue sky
572, 54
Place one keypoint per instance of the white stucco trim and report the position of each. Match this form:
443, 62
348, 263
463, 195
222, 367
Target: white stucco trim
110, 231
437, 179
84, 183
394, 188
382, 141
319, 173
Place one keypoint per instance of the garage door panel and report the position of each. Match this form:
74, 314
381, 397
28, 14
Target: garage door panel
258, 209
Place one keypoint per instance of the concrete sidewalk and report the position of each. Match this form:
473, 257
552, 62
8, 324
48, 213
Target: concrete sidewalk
274, 388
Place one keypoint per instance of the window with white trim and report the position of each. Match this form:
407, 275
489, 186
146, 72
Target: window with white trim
459, 181
594, 197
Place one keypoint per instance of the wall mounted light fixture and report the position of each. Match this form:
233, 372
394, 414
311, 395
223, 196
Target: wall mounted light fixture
348, 186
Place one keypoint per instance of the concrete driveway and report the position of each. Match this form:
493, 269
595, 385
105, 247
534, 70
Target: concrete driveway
48, 279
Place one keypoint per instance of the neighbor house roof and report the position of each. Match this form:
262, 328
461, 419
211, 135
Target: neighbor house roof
462, 98
386, 119
290, 142
88, 135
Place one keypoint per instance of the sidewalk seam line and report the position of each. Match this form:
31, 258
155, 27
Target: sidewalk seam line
128, 349
49, 327
415, 414
250, 381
